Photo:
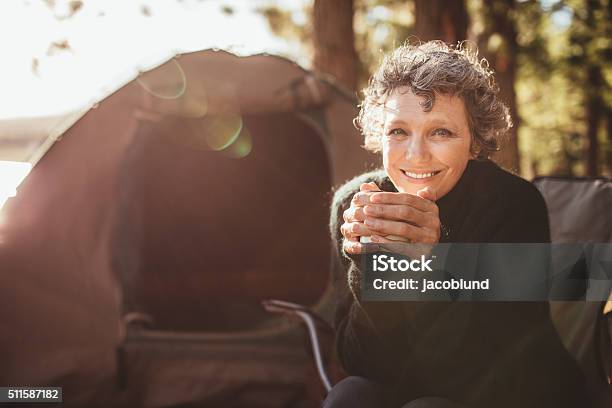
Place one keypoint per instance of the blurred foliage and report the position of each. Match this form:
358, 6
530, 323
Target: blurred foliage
380, 26
556, 49
563, 60
558, 40
290, 26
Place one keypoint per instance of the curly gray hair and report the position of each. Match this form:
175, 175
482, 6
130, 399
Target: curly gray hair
437, 68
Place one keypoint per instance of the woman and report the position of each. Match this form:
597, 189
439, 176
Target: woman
434, 112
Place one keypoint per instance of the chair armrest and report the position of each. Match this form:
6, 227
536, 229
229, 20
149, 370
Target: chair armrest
311, 320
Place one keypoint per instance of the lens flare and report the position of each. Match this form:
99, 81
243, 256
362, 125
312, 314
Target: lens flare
222, 131
242, 147
167, 81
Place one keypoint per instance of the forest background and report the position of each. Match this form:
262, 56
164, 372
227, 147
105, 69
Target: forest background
551, 58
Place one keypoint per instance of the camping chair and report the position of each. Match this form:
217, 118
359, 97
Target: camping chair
579, 212
584, 327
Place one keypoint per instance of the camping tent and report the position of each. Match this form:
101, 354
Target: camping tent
137, 251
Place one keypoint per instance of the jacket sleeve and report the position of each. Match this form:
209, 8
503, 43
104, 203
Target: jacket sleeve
368, 334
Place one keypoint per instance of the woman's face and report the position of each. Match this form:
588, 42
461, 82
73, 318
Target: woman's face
425, 149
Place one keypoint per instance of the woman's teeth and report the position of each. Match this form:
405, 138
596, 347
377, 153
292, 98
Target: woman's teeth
420, 175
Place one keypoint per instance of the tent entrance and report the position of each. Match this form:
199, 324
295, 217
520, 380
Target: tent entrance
217, 214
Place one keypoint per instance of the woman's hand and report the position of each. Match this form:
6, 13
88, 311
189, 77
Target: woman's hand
353, 227
390, 218
403, 217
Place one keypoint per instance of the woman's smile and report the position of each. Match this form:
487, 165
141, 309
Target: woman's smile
421, 176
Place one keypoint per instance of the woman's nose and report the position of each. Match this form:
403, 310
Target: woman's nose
417, 150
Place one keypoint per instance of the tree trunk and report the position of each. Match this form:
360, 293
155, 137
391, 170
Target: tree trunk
594, 114
445, 20
594, 101
498, 21
334, 40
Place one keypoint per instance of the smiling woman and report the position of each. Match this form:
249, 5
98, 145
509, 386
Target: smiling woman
433, 112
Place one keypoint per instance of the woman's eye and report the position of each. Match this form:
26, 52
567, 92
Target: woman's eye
442, 132
397, 132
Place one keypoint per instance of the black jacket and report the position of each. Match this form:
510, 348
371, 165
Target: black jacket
481, 354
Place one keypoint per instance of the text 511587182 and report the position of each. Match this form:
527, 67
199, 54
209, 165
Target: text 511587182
30, 394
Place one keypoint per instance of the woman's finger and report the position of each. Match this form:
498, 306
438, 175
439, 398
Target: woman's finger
403, 213
353, 214
371, 186
402, 198
428, 193
380, 239
398, 212
412, 233
387, 227
354, 229
389, 239
358, 201
362, 198
352, 247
